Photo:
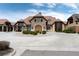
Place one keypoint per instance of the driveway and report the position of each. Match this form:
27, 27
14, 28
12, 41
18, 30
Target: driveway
50, 41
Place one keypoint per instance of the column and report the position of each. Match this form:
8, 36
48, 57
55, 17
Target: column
2, 27
7, 28
13, 28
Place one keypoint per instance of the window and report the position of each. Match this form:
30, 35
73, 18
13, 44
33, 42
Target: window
77, 19
76, 22
38, 20
71, 21
35, 20
41, 20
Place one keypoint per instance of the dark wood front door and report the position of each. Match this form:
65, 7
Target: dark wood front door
58, 26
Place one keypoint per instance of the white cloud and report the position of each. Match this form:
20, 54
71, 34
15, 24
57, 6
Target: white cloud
39, 1
51, 5
62, 16
73, 5
38, 4
32, 10
14, 16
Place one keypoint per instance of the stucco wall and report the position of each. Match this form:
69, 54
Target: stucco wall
43, 24
73, 24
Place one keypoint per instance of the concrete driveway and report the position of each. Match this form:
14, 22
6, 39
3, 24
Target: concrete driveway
50, 41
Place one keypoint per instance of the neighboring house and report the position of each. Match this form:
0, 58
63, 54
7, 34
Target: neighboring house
19, 25
59, 25
40, 23
73, 21
5, 25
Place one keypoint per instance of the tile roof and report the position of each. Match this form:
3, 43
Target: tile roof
50, 19
2, 21
74, 17
27, 20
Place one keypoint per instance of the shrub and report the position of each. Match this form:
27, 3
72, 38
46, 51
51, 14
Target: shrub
33, 33
26, 32
43, 32
78, 32
69, 30
38, 32
29, 32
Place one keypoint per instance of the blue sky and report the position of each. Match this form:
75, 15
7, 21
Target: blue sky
17, 11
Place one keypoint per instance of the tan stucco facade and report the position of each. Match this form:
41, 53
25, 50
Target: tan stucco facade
38, 22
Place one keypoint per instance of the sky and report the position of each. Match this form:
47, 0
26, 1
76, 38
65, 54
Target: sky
17, 11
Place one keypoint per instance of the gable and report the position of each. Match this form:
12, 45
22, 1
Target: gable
38, 18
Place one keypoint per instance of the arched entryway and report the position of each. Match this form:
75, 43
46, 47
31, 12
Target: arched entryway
38, 28
58, 26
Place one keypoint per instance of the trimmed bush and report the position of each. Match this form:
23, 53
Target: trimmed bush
78, 32
29, 32
69, 30
33, 33
43, 32
26, 32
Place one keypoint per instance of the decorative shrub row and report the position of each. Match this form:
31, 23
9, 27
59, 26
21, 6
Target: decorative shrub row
43, 32
33, 32
69, 30
30, 32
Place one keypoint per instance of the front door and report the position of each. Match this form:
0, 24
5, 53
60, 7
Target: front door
38, 28
58, 26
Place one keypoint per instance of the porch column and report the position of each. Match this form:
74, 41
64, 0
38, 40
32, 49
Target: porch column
2, 27
7, 28
17, 28
13, 28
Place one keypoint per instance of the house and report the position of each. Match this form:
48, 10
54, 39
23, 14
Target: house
40, 23
73, 21
5, 25
19, 25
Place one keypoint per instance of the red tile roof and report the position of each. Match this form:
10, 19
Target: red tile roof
50, 19
2, 21
27, 20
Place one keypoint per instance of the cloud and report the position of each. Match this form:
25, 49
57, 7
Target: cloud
38, 4
17, 15
14, 16
62, 16
75, 7
72, 5
51, 5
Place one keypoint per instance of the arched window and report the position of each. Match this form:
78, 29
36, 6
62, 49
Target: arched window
35, 20
41, 20
76, 22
